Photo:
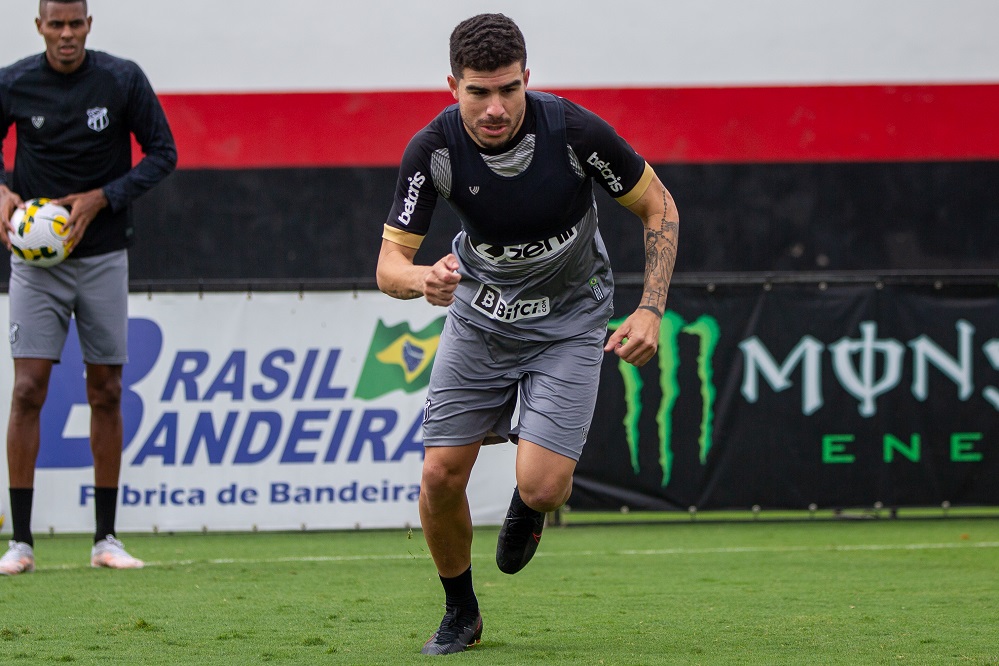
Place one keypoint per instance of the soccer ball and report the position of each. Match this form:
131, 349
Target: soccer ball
1, 513
39, 233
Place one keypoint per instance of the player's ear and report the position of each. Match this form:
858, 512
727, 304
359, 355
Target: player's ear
527, 75
452, 84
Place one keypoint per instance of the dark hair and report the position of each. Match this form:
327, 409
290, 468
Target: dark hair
485, 43
42, 3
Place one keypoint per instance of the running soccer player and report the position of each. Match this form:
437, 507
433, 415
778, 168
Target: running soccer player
529, 292
75, 112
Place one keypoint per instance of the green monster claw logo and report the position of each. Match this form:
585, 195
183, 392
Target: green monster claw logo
706, 329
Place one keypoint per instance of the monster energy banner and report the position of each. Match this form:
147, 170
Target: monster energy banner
795, 395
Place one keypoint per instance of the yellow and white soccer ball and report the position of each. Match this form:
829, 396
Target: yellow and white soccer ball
39, 233
2, 515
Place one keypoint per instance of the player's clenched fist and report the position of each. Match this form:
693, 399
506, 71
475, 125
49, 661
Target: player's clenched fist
441, 281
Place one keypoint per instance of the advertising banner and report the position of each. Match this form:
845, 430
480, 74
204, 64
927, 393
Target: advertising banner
838, 395
304, 410
256, 411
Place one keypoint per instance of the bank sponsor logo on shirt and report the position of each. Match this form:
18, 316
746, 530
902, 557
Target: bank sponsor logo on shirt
489, 302
97, 118
37, 121
412, 196
498, 254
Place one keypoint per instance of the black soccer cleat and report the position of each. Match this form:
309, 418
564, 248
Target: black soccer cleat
519, 537
458, 631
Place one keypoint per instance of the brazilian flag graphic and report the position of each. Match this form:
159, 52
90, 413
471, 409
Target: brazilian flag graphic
398, 359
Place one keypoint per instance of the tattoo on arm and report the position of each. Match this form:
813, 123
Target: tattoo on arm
660, 256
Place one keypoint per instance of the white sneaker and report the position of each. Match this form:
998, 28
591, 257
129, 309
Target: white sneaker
110, 553
19, 558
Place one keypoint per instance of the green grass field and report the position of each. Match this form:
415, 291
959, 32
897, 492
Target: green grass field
811, 592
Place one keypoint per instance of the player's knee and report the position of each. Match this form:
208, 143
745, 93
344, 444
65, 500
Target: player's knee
28, 394
442, 480
105, 394
545, 497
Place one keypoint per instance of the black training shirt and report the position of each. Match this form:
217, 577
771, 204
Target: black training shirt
532, 262
74, 135
602, 156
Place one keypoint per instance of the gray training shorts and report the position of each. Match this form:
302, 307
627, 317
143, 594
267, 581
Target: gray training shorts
478, 376
92, 289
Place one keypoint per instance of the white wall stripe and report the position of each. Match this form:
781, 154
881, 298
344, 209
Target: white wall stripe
332, 45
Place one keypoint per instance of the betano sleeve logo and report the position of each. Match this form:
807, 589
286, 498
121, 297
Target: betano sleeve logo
412, 198
398, 359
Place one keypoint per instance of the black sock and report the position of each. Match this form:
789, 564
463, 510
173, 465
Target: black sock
20, 514
519, 505
105, 506
516, 503
458, 592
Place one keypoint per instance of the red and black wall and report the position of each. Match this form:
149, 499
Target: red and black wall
822, 178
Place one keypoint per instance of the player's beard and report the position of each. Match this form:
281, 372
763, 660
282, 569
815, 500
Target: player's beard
493, 141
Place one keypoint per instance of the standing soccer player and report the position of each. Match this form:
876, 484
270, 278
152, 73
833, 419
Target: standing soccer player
529, 292
75, 112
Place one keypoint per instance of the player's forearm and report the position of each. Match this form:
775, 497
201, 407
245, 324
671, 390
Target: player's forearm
400, 279
403, 288
152, 169
661, 238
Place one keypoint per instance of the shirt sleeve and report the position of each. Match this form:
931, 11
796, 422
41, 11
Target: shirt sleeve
605, 156
5, 123
415, 193
148, 124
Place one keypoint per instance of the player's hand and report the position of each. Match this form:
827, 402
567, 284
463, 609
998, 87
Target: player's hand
83, 208
441, 281
637, 339
9, 202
